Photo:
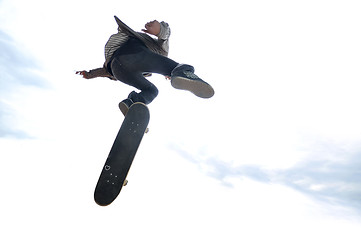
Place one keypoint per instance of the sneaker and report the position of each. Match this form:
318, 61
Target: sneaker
183, 78
125, 105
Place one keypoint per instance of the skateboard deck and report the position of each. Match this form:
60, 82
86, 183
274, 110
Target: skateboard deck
121, 155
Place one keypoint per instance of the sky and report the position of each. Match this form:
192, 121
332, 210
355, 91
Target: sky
274, 154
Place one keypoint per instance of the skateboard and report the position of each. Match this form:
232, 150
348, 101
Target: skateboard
120, 158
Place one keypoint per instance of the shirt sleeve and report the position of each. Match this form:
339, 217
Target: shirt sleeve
100, 72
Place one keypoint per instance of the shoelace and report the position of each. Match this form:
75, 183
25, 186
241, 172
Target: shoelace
190, 75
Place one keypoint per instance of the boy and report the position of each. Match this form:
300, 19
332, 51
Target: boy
131, 56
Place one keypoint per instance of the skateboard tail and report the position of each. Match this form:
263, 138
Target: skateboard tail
104, 196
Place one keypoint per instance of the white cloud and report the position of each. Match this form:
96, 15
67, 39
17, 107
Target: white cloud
328, 172
19, 72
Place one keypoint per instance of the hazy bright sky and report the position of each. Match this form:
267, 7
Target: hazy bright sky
275, 154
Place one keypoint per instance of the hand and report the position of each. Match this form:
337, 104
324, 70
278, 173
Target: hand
85, 74
152, 28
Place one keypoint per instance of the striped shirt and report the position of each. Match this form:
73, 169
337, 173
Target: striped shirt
115, 41
160, 45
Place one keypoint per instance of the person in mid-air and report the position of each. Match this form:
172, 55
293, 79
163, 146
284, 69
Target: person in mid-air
131, 56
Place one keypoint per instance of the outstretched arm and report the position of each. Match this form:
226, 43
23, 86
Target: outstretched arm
98, 72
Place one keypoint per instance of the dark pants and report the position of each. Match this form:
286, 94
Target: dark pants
130, 62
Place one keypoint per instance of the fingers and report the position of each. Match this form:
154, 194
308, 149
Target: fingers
82, 73
147, 27
150, 24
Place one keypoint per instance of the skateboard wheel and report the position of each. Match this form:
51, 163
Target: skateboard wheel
125, 182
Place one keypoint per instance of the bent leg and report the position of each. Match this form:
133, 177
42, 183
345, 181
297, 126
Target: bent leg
136, 79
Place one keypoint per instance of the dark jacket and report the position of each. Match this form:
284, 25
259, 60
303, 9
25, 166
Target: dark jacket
160, 45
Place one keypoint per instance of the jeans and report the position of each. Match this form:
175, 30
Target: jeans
129, 63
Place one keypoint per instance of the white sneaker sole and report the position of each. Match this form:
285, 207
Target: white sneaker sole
123, 108
199, 88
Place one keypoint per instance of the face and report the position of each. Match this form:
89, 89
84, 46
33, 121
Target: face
153, 27
153, 23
